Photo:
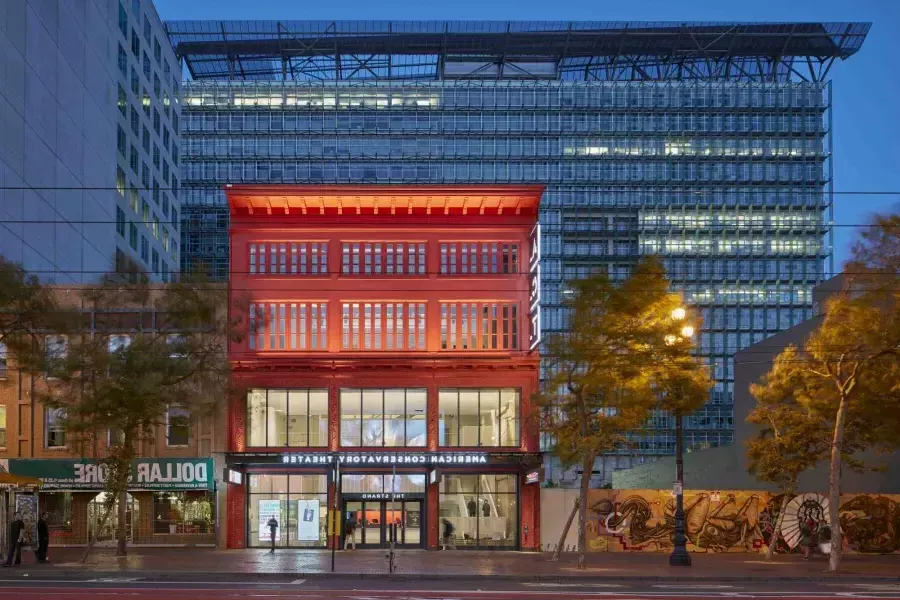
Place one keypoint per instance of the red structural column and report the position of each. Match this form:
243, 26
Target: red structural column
529, 527
237, 517
431, 510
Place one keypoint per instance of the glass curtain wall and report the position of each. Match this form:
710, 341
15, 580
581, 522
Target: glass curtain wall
484, 509
727, 181
298, 502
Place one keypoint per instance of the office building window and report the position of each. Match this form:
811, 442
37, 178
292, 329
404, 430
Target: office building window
148, 70
145, 212
479, 326
178, 426
156, 121
121, 141
135, 122
123, 20
54, 428
145, 249
477, 418
145, 175
288, 258
157, 51
483, 509
382, 258
133, 197
122, 61
157, 88
479, 258
383, 418
156, 155
383, 326
287, 417
288, 326
122, 101
133, 160
120, 181
154, 264
135, 43
145, 101
120, 221
135, 83
133, 236
147, 29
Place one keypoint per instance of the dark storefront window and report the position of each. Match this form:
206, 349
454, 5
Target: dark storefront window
483, 509
383, 417
298, 502
184, 512
58, 506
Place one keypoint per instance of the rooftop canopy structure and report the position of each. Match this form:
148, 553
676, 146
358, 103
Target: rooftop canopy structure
581, 51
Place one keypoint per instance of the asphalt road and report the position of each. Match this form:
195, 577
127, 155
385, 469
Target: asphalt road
26, 588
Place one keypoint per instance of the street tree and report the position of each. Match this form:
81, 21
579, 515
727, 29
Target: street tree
133, 359
27, 307
791, 440
847, 371
604, 374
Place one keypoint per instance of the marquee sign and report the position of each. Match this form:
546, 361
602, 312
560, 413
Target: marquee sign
534, 279
376, 459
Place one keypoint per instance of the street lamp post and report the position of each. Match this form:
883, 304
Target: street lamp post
680, 556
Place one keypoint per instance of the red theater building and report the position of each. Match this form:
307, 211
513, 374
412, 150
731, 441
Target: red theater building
388, 365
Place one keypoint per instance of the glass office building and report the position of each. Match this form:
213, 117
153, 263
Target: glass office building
707, 144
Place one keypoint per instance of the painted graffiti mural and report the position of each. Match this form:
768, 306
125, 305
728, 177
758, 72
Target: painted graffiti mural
735, 521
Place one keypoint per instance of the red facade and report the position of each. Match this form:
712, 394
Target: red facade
417, 297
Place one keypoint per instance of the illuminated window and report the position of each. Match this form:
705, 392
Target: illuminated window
288, 258
383, 326
383, 258
479, 417
287, 417
479, 326
383, 417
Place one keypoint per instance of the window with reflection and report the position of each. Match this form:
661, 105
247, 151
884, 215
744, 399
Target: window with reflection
287, 417
392, 417
478, 417
483, 509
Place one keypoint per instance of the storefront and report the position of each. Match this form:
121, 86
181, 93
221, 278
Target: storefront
17, 494
399, 496
169, 501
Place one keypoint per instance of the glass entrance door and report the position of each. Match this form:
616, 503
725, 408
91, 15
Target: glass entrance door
377, 520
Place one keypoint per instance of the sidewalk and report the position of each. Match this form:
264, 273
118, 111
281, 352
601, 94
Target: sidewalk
183, 563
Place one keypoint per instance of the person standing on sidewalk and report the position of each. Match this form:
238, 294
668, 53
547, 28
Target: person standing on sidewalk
43, 535
350, 534
16, 539
806, 538
273, 527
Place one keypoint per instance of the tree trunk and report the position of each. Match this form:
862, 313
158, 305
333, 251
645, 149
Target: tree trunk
92, 540
587, 471
834, 486
775, 533
121, 530
565, 531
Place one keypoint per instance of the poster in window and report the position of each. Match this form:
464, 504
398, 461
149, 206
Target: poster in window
269, 509
26, 506
308, 520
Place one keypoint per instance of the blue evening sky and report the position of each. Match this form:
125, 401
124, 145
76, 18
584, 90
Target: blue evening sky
866, 88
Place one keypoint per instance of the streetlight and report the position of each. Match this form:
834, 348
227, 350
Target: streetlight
679, 556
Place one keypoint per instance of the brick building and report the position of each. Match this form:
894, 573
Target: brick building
177, 507
388, 367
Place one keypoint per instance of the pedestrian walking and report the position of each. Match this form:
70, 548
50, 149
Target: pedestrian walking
807, 539
273, 527
350, 534
448, 535
43, 534
16, 539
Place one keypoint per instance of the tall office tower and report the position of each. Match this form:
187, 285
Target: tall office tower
88, 138
707, 144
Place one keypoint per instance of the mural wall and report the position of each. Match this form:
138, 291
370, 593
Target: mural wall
728, 521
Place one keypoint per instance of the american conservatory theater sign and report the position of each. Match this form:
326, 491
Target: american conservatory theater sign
389, 459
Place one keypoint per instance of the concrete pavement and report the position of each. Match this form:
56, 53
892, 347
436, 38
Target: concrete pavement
259, 565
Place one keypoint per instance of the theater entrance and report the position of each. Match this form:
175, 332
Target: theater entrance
380, 521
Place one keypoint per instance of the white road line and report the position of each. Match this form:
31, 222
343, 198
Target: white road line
298, 582
692, 586
579, 585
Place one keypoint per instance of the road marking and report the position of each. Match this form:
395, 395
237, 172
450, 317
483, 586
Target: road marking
115, 580
693, 586
298, 582
589, 585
